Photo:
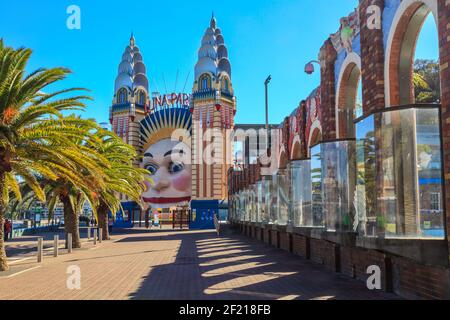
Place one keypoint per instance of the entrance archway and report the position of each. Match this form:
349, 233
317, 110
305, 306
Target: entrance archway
349, 86
401, 47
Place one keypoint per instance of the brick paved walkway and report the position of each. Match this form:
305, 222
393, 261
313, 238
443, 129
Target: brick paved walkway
180, 265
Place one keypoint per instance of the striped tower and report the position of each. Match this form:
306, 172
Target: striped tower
214, 107
131, 96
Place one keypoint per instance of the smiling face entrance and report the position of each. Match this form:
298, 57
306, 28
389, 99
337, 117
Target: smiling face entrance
170, 172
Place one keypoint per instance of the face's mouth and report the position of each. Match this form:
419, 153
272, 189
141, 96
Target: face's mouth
167, 200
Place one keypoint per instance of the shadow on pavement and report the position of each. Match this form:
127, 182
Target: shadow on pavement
210, 268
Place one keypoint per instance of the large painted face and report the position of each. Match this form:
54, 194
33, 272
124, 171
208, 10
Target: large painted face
170, 173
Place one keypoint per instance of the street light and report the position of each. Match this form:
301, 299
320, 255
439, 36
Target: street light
268, 137
266, 85
309, 67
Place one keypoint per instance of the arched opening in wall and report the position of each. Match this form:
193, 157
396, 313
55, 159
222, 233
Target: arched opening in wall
413, 54
315, 137
283, 161
426, 77
296, 151
122, 96
205, 82
225, 85
409, 192
349, 100
141, 98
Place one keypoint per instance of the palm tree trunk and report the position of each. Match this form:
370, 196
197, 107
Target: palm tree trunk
102, 213
71, 223
3, 259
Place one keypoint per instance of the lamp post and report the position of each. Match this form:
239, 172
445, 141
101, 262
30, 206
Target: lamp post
309, 67
266, 85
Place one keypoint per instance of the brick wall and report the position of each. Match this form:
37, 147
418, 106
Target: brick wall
325, 253
274, 238
372, 61
285, 241
300, 246
355, 261
328, 57
444, 44
258, 234
267, 233
414, 281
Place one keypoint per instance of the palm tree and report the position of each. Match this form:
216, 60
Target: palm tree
121, 178
35, 140
83, 181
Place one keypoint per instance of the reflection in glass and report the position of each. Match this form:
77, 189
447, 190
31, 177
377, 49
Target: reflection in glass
428, 137
253, 202
301, 193
267, 189
274, 200
259, 201
408, 202
316, 186
282, 197
242, 205
338, 167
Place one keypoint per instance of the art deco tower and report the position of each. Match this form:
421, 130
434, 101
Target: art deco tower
131, 96
214, 107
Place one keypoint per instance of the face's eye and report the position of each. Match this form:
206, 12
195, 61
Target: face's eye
176, 167
151, 168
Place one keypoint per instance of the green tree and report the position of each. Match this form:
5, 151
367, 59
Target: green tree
83, 180
35, 140
121, 178
426, 80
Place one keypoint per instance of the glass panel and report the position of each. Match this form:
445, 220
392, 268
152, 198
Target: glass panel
301, 193
429, 166
316, 186
338, 167
242, 205
282, 198
364, 201
253, 203
267, 186
409, 196
274, 200
247, 208
260, 201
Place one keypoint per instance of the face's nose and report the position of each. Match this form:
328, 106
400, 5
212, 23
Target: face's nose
161, 180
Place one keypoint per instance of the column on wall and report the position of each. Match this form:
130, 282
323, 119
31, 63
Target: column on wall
444, 55
328, 57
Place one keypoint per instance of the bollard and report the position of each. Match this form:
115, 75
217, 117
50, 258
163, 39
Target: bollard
100, 235
69, 243
89, 233
56, 246
40, 248
95, 237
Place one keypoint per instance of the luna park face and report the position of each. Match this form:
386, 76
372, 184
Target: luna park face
170, 172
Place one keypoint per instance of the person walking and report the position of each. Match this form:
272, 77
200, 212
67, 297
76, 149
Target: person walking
110, 225
7, 229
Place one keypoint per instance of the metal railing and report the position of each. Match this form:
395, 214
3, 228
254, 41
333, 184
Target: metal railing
217, 225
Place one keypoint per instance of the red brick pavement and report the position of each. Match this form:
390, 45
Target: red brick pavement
181, 265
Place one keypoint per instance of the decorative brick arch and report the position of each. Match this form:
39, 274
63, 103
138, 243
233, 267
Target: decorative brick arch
400, 49
283, 159
316, 134
346, 93
296, 150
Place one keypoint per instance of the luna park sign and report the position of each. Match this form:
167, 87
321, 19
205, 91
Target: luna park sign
172, 100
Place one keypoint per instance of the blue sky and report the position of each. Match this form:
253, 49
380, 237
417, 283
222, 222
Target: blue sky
263, 37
